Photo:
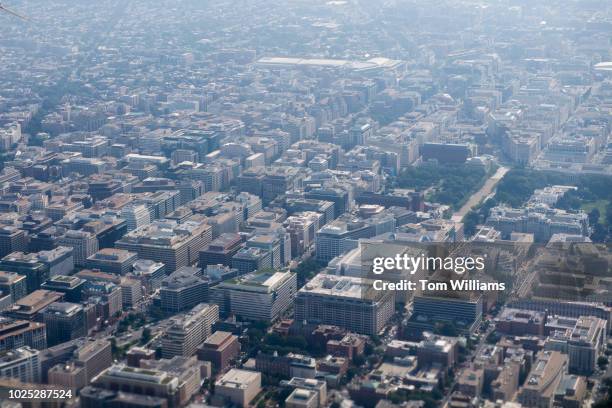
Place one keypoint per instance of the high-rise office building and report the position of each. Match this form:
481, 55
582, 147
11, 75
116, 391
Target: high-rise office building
131, 291
520, 322
136, 354
86, 356
112, 260
46, 239
580, 338
64, 321
136, 216
152, 383
84, 244
12, 239
341, 197
251, 204
587, 339
564, 308
343, 301
271, 243
27, 265
173, 244
182, 290
302, 228
256, 296
70, 286
277, 181
190, 190
238, 387
31, 306
18, 333
342, 235
22, 364
67, 375
220, 349
150, 273
107, 230
59, 260
298, 205
14, 285
188, 331
251, 181
542, 381
95, 355
247, 260
160, 203
107, 297
438, 350
465, 311
180, 215
105, 185
221, 250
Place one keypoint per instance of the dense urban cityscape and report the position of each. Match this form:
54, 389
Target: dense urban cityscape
305, 203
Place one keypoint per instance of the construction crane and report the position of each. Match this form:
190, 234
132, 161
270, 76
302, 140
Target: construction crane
9, 11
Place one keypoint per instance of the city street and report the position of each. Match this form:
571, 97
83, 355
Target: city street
484, 191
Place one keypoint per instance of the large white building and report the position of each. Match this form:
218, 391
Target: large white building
541, 383
256, 296
549, 195
343, 301
136, 216
540, 220
183, 289
84, 243
9, 135
342, 235
22, 363
173, 244
238, 387
187, 332
581, 339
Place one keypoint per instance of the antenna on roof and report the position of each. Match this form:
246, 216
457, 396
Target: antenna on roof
9, 11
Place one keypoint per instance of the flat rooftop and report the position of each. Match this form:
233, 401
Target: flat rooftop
63, 308
38, 299
112, 255
10, 277
338, 286
236, 378
217, 338
372, 63
267, 281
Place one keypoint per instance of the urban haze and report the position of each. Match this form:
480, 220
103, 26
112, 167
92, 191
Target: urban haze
197, 199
